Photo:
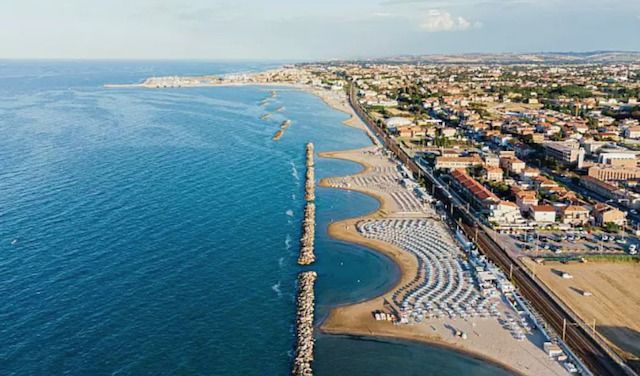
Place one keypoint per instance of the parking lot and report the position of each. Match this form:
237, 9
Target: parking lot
549, 243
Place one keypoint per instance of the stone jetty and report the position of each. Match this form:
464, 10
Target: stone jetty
304, 324
309, 187
307, 255
283, 127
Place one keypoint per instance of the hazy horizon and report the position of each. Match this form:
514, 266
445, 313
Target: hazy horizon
288, 30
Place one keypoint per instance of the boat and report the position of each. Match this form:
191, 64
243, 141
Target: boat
265, 116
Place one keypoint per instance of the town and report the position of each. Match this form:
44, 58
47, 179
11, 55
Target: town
543, 156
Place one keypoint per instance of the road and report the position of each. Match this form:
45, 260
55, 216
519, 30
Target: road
599, 359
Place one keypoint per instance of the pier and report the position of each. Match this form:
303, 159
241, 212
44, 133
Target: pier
304, 324
307, 255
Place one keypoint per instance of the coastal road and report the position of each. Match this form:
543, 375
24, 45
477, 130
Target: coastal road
599, 359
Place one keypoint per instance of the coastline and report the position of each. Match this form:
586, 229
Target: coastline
355, 320
341, 320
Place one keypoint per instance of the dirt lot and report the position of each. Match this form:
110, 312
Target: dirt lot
615, 303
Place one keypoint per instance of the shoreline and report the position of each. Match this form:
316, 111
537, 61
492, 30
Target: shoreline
347, 319
340, 320
343, 230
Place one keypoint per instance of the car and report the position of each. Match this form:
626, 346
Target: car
621, 241
604, 238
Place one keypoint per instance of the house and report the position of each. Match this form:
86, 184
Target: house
543, 213
491, 160
512, 164
410, 131
493, 173
448, 132
529, 173
603, 214
505, 212
526, 199
574, 215
632, 132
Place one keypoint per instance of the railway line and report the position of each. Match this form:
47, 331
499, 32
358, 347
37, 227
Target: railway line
593, 353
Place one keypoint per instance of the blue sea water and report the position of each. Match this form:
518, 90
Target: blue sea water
154, 232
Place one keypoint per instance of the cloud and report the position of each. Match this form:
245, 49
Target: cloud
437, 21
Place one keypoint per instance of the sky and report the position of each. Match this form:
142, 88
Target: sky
310, 30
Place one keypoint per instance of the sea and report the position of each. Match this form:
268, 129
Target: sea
155, 232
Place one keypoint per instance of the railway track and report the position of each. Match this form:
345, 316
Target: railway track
594, 355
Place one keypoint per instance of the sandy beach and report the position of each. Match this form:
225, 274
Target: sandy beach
488, 338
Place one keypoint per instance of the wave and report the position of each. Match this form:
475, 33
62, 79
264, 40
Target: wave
276, 288
289, 213
294, 171
281, 262
287, 241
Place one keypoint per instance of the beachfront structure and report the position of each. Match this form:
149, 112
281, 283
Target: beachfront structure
444, 286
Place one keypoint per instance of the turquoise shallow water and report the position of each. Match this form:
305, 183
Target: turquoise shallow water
154, 232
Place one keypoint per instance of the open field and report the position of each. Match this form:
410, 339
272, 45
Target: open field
615, 302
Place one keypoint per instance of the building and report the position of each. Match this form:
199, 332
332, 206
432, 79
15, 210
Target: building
526, 199
604, 189
616, 157
632, 132
458, 162
543, 213
473, 190
611, 173
574, 215
493, 173
512, 164
603, 214
505, 212
592, 147
395, 122
410, 131
491, 160
568, 153
448, 132
529, 173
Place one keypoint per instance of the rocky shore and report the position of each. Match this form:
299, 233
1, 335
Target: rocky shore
304, 324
